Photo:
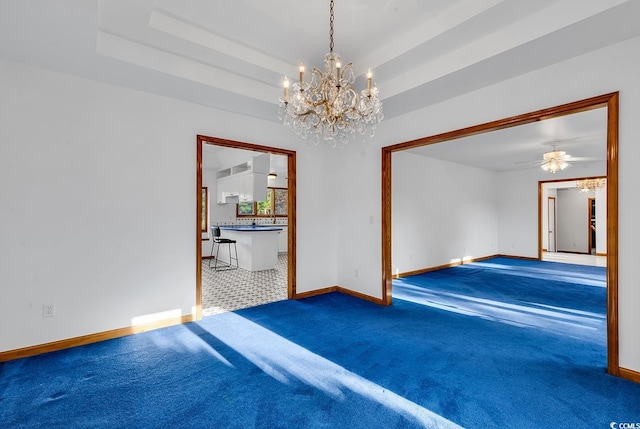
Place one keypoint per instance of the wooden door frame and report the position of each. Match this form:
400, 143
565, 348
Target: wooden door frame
555, 223
590, 242
291, 208
609, 101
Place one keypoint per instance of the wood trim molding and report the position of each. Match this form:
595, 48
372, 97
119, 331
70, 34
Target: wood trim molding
540, 202
512, 121
523, 258
601, 254
198, 314
611, 102
342, 290
91, 338
573, 179
613, 346
590, 243
316, 292
630, 375
360, 295
292, 239
444, 266
425, 270
386, 226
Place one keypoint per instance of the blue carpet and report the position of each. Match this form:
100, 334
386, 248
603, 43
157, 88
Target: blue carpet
498, 344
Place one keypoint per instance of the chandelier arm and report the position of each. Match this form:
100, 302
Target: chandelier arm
354, 99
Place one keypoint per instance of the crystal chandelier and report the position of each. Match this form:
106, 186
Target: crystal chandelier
554, 161
327, 106
587, 185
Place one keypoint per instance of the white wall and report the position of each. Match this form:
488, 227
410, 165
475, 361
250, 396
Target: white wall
442, 213
573, 220
614, 68
97, 187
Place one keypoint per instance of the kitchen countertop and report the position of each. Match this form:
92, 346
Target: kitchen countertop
253, 228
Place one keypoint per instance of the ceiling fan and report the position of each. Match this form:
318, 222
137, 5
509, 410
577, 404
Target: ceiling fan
555, 160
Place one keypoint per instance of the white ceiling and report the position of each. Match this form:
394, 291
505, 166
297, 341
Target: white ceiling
233, 55
221, 157
581, 135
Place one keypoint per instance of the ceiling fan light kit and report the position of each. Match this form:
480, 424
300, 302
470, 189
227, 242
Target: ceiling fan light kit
555, 161
326, 106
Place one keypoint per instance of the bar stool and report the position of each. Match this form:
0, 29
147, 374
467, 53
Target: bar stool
215, 232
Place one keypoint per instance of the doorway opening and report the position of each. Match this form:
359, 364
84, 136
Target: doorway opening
568, 234
607, 101
286, 262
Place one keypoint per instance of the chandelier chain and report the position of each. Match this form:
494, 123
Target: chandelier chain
331, 26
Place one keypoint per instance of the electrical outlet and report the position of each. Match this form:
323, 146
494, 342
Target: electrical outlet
356, 272
48, 310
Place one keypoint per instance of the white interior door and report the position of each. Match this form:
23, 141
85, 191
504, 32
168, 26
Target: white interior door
551, 222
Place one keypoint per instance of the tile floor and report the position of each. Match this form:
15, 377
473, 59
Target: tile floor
231, 290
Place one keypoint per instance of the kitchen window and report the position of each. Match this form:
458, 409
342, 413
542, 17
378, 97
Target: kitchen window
275, 205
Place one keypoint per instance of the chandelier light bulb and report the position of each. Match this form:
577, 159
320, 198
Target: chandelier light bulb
286, 89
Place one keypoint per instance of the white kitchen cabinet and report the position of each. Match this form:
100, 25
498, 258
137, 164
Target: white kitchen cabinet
221, 198
283, 240
227, 187
259, 187
252, 187
261, 163
245, 188
247, 181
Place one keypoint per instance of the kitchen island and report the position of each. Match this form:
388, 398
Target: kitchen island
257, 245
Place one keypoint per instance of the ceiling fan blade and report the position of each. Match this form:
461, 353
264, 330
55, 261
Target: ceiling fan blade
558, 142
531, 162
582, 159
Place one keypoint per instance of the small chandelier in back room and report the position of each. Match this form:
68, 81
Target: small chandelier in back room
586, 185
326, 106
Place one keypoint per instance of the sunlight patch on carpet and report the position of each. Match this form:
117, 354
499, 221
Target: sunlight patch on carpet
587, 279
288, 362
559, 321
190, 343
